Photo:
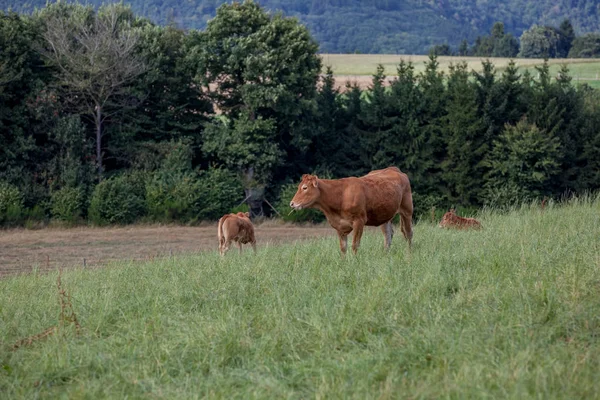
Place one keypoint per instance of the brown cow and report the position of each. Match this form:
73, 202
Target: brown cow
236, 228
451, 220
351, 203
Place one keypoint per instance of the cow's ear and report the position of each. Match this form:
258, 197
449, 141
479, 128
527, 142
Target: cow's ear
304, 176
247, 214
316, 182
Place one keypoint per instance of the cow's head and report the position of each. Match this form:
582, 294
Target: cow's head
308, 192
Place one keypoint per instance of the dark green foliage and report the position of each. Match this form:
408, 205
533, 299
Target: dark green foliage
68, 204
264, 69
11, 203
586, 46
497, 44
464, 134
406, 27
118, 200
524, 161
567, 36
464, 139
540, 42
441, 50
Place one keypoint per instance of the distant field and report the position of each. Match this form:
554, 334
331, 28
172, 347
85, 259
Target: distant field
359, 67
508, 312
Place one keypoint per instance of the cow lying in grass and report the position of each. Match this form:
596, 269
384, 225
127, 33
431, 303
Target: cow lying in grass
351, 203
451, 220
235, 228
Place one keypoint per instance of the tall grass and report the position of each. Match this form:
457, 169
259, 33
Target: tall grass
512, 311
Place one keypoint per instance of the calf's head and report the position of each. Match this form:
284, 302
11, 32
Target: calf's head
448, 218
243, 215
308, 192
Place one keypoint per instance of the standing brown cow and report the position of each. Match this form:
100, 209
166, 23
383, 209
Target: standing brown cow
236, 228
351, 203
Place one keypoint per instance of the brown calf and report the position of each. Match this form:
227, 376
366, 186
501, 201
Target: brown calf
451, 220
235, 228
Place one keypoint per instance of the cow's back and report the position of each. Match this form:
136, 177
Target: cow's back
384, 191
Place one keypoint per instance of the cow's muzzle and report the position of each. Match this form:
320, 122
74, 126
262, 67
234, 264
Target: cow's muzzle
295, 206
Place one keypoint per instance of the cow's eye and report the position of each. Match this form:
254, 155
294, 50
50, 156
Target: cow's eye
304, 187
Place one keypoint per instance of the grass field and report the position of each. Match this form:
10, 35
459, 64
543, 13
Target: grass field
512, 311
359, 67
366, 64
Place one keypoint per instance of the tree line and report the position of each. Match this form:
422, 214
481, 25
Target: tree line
107, 117
380, 26
536, 42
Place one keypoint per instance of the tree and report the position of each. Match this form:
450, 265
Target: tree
567, 36
95, 56
463, 169
524, 157
441, 50
172, 107
539, 42
463, 49
586, 46
262, 71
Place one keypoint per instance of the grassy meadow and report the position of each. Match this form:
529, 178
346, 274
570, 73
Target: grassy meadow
512, 311
366, 64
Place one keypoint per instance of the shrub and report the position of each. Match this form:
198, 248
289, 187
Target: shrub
11, 204
118, 200
68, 203
190, 197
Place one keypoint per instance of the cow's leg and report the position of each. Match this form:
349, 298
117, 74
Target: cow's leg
254, 246
240, 246
406, 213
357, 227
388, 232
343, 242
406, 221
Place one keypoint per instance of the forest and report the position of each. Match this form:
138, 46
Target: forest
108, 118
379, 26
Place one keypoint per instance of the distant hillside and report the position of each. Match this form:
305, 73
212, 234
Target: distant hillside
381, 26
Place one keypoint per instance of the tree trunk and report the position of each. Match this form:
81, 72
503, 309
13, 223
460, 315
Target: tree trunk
98, 121
255, 194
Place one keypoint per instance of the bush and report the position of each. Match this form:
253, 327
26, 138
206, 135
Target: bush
11, 204
118, 200
68, 203
191, 197
283, 207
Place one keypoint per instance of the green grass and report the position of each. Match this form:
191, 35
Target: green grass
366, 64
512, 311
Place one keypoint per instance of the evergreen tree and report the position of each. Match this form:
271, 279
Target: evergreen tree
567, 36
428, 145
463, 132
525, 160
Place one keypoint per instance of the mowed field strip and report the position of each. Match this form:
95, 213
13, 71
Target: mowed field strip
360, 67
23, 250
